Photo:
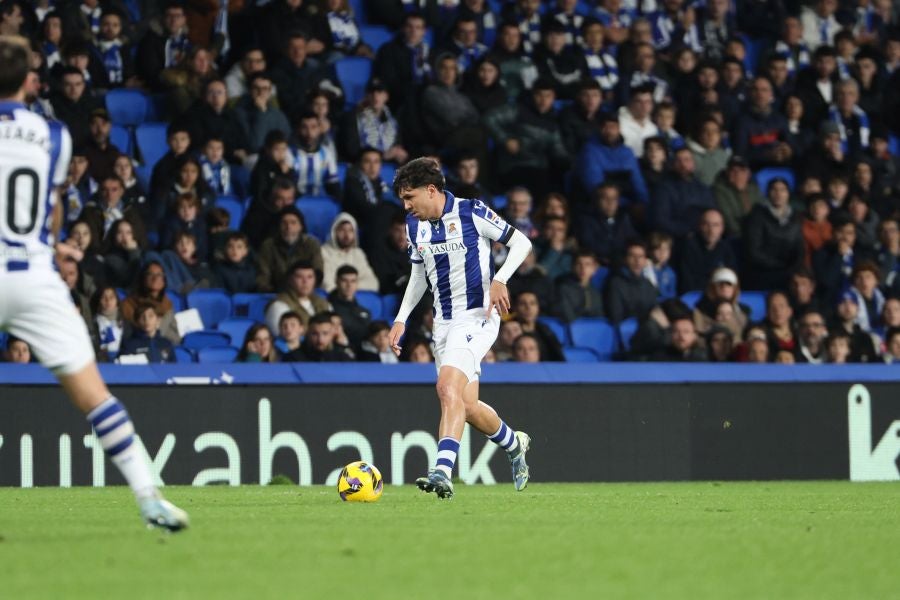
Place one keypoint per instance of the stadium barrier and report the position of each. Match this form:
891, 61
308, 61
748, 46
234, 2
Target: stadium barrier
746, 426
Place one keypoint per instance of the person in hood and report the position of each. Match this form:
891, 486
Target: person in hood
342, 248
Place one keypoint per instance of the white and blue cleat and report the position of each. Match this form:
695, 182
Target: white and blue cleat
160, 513
517, 461
436, 482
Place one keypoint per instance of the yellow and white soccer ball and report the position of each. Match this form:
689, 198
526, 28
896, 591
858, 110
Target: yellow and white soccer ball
360, 482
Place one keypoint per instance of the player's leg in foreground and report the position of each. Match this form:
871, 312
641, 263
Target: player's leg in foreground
115, 430
485, 419
451, 384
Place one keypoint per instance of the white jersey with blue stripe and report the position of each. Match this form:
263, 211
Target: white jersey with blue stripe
456, 253
34, 160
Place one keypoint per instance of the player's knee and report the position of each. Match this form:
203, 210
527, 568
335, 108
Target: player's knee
448, 393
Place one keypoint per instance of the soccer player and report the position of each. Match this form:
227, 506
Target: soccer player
34, 302
450, 244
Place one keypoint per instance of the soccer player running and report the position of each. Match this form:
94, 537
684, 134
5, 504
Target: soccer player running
450, 245
35, 304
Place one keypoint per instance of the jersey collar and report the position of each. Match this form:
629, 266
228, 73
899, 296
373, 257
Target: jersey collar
10, 105
448, 205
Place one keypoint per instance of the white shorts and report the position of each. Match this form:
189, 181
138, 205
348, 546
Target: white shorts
36, 307
464, 340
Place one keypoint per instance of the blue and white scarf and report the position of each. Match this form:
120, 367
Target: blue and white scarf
379, 132
843, 68
220, 27
664, 26
572, 23
487, 25
176, 49
421, 67
93, 17
802, 60
866, 321
864, 130
867, 20
660, 87
111, 54
217, 176
623, 18
827, 28
469, 56
344, 32
51, 54
531, 33
603, 68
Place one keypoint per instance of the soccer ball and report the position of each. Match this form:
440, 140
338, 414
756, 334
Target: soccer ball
360, 482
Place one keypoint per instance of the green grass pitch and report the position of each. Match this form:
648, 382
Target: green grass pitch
681, 540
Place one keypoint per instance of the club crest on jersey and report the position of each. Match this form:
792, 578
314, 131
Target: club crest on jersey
452, 228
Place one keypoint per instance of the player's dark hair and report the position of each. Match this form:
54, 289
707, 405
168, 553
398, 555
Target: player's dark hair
417, 173
14, 58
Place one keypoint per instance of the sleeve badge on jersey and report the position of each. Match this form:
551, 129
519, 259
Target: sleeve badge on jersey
493, 217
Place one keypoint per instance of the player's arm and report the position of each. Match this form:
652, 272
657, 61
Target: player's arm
519, 246
63, 250
415, 287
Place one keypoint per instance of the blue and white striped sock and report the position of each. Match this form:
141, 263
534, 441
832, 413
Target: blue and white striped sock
446, 458
506, 438
114, 429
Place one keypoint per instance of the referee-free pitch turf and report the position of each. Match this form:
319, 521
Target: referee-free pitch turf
648, 540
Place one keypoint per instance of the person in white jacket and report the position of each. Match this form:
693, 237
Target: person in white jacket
342, 248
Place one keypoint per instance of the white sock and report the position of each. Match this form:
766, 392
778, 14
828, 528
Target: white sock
114, 429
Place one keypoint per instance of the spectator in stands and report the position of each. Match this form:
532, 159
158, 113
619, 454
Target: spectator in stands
527, 310
79, 54
526, 349
447, 114
159, 51
235, 269
290, 333
186, 81
817, 229
107, 321
719, 344
345, 38
862, 344
554, 248
79, 187
212, 117
186, 219
73, 106
403, 64
703, 251
113, 50
295, 75
755, 349
635, 118
658, 271
416, 350
91, 265
517, 71
532, 277
366, 197
389, 257
109, 207
816, 86
680, 199
68, 272
629, 293
869, 298
779, 323
811, 338
290, 244
558, 61
503, 347
121, 253
584, 118
17, 351
838, 348
529, 141
643, 69
464, 180
773, 240
853, 122
664, 115
213, 168
800, 137
165, 171
319, 345
275, 162
599, 57
710, 157
463, 44
281, 20
371, 124
802, 292
237, 80
146, 338
892, 345
736, 194
100, 152
606, 158
257, 113
188, 180
723, 287
482, 85
833, 264
354, 317
342, 248
888, 253
760, 133
185, 269
685, 345
298, 295
575, 296
519, 206
314, 162
135, 193
376, 347
258, 347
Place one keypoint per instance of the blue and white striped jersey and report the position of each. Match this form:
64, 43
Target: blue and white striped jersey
456, 253
34, 160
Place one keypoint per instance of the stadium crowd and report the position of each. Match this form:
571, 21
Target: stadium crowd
663, 156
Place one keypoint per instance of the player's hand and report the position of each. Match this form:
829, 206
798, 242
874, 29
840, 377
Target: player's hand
397, 331
499, 298
64, 251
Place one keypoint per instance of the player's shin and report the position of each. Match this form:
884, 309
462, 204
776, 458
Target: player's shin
114, 428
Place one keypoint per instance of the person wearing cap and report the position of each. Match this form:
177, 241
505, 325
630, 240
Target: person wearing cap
862, 344
760, 132
773, 240
371, 124
257, 113
722, 286
703, 251
605, 156
100, 152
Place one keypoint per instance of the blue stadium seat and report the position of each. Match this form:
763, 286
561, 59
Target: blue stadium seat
240, 302
375, 36
579, 355
499, 201
134, 10
756, 301
894, 144
256, 310
3, 339
217, 354
120, 137
214, 305
353, 73
559, 329
236, 328
177, 300
144, 173
359, 11
319, 212
205, 338
183, 355
692, 298
127, 106
371, 301
390, 304
151, 142
387, 173
235, 210
764, 176
240, 180
626, 331
342, 171
596, 334
754, 47
599, 278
